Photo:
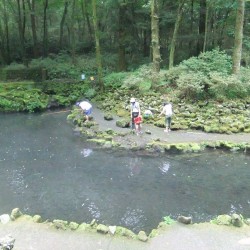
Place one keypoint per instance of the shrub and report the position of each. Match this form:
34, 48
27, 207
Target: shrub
115, 80
193, 86
209, 61
229, 86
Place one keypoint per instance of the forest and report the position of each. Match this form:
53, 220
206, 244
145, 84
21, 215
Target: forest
200, 47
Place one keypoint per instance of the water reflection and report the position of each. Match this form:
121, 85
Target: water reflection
164, 167
86, 152
135, 165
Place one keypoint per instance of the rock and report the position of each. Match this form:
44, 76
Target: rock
224, 219
112, 229
73, 225
247, 221
237, 220
37, 218
123, 123
102, 229
60, 224
93, 223
108, 117
142, 236
15, 213
184, 220
7, 243
148, 132
4, 218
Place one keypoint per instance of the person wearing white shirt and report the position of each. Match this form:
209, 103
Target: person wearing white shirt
86, 108
168, 111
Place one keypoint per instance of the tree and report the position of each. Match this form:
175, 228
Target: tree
98, 48
176, 29
65, 11
45, 28
155, 35
238, 36
31, 5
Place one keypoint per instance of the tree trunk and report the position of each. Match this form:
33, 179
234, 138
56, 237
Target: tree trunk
66, 3
121, 38
86, 15
45, 29
72, 25
155, 36
21, 28
202, 26
238, 36
31, 4
98, 48
176, 29
6, 31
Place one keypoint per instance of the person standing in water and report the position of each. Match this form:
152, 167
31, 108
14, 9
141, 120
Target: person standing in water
168, 111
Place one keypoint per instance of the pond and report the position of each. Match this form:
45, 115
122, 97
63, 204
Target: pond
46, 169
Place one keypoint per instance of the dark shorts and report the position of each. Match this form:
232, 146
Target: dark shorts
88, 112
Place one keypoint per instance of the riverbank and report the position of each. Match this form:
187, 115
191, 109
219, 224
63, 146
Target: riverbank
205, 236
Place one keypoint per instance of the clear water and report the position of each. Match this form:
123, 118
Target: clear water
46, 169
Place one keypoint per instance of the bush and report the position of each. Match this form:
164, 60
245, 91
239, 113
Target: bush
228, 86
115, 80
209, 61
193, 86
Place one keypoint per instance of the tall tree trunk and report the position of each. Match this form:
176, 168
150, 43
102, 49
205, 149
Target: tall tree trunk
176, 29
238, 36
191, 43
121, 37
31, 4
206, 30
155, 36
98, 48
72, 25
21, 23
66, 3
45, 29
86, 15
202, 26
6, 31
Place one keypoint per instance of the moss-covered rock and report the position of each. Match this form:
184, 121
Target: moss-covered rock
102, 229
60, 224
224, 219
237, 220
73, 225
123, 123
142, 236
15, 213
37, 218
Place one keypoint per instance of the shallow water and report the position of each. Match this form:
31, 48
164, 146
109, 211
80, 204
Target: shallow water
45, 169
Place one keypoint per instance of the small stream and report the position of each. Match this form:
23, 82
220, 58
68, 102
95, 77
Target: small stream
46, 169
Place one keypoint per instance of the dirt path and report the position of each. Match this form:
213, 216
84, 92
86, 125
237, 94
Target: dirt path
158, 133
33, 236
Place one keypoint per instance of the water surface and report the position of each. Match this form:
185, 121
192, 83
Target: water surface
46, 169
